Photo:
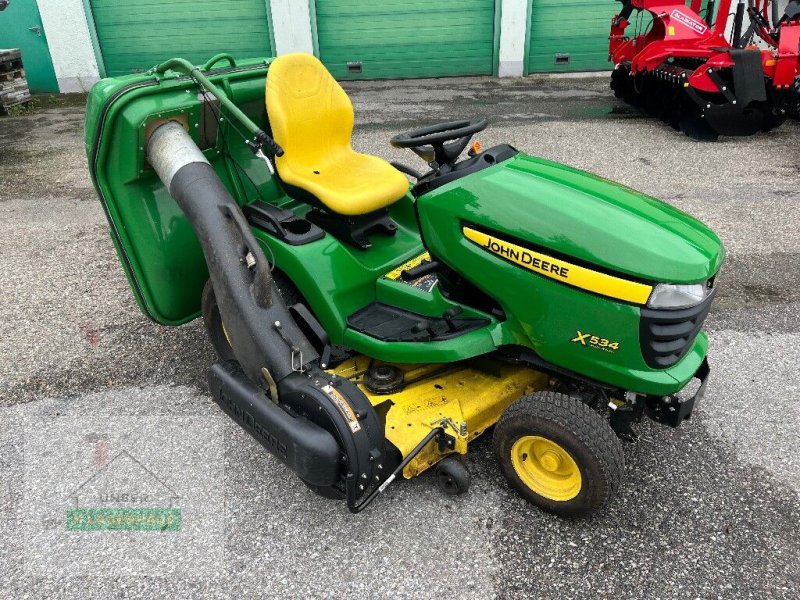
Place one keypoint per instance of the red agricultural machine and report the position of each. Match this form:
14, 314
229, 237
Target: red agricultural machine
684, 68
781, 33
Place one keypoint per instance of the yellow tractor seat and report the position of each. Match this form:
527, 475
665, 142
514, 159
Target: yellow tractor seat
312, 119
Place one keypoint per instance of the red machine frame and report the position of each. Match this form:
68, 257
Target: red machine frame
782, 34
684, 69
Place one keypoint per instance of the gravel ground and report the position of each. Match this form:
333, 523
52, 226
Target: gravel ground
707, 511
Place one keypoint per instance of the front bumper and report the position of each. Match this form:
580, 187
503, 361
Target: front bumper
672, 410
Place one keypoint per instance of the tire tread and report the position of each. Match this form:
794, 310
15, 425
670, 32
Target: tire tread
583, 423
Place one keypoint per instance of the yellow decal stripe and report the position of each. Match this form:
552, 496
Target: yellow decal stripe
554, 268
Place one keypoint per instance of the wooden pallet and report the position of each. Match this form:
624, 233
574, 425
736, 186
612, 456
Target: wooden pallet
10, 54
12, 75
13, 85
5, 108
10, 65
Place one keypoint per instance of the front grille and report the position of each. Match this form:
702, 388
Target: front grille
666, 335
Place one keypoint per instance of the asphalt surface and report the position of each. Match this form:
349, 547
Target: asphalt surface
710, 510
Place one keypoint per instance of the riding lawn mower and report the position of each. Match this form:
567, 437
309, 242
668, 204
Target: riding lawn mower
683, 69
369, 328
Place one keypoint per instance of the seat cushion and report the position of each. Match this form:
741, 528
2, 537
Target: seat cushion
311, 117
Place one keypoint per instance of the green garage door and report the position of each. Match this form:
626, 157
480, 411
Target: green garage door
135, 35
390, 39
570, 35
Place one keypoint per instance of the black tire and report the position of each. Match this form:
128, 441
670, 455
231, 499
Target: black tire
577, 430
695, 126
772, 120
213, 320
452, 476
618, 81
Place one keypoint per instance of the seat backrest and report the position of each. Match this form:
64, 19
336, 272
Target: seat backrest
309, 112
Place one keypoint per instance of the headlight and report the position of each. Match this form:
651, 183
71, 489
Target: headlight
673, 295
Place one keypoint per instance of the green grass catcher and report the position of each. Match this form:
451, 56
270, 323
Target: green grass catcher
368, 328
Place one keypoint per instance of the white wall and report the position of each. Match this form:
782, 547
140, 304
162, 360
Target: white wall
513, 25
70, 45
291, 25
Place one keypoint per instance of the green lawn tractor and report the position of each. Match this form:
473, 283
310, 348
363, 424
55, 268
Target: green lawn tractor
369, 328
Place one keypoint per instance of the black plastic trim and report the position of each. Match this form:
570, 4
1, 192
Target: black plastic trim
305, 447
484, 160
392, 324
282, 224
356, 229
666, 335
673, 411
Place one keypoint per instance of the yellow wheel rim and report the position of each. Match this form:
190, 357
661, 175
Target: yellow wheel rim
546, 468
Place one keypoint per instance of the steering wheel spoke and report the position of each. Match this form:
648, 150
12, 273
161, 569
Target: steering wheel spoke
426, 153
429, 143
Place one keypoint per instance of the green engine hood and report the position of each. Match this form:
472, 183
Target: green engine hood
586, 217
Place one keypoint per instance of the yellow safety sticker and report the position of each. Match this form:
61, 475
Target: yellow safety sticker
344, 407
394, 274
560, 270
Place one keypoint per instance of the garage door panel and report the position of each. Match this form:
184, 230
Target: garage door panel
395, 39
575, 28
459, 41
394, 7
402, 51
137, 35
418, 24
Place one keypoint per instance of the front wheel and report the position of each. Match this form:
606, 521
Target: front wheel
559, 454
452, 476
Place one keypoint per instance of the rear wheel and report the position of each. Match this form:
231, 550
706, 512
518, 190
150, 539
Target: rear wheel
559, 454
213, 324
212, 320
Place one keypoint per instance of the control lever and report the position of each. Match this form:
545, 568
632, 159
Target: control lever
261, 138
406, 169
257, 144
448, 315
426, 267
424, 326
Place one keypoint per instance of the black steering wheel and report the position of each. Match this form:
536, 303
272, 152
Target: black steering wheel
429, 142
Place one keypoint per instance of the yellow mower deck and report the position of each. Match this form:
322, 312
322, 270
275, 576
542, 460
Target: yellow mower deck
465, 399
